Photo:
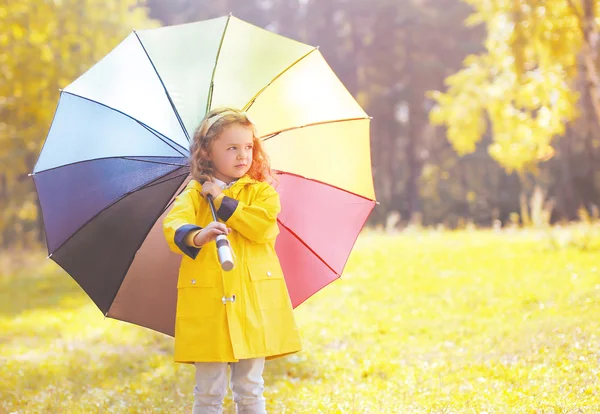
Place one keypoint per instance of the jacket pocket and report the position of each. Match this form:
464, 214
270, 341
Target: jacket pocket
193, 276
197, 294
269, 285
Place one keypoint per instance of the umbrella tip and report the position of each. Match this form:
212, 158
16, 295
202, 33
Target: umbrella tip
30, 174
377, 202
49, 256
230, 14
370, 117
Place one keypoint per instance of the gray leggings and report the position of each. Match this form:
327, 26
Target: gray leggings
247, 386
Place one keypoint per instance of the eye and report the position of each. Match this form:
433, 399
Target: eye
250, 147
231, 148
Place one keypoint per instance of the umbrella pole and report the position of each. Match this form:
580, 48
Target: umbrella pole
223, 247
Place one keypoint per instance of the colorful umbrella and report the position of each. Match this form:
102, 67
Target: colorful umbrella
116, 156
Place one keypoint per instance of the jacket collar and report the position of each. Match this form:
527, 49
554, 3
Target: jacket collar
246, 179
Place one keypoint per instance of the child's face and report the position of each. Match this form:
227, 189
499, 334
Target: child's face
231, 152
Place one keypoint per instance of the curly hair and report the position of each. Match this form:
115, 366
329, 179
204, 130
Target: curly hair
210, 129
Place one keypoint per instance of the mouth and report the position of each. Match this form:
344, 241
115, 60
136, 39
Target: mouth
241, 166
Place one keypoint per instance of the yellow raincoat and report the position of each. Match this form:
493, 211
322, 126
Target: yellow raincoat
246, 312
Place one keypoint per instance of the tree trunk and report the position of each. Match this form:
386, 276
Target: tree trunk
568, 197
523, 200
414, 127
590, 54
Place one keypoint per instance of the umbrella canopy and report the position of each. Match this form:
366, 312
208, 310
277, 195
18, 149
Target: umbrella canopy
117, 153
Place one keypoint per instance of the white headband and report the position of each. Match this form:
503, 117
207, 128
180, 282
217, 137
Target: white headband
211, 121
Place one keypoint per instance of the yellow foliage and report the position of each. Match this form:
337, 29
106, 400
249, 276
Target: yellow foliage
522, 84
44, 46
28, 211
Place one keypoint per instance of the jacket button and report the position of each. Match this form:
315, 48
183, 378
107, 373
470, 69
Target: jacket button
268, 273
193, 281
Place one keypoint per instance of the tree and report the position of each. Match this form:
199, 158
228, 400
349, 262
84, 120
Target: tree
45, 45
525, 82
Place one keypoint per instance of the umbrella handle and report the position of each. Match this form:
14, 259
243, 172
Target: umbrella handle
223, 247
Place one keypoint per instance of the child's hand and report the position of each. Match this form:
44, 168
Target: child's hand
210, 232
208, 187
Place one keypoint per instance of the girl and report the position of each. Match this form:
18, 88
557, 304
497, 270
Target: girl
241, 317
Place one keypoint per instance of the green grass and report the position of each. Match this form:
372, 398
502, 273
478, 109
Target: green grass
421, 322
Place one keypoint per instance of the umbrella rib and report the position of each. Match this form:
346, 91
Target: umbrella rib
131, 158
251, 102
187, 173
42, 215
152, 184
114, 157
212, 78
347, 258
167, 141
159, 136
307, 246
153, 222
173, 199
274, 134
320, 289
45, 141
323, 183
319, 257
337, 188
109, 206
164, 87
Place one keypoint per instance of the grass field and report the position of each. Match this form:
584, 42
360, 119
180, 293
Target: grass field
421, 322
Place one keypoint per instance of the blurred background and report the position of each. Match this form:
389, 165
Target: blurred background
484, 113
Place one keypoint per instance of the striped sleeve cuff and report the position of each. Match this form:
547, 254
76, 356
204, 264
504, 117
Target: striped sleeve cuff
180, 235
228, 206
218, 200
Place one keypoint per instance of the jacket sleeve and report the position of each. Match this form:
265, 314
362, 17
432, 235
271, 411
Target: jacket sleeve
257, 220
179, 222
